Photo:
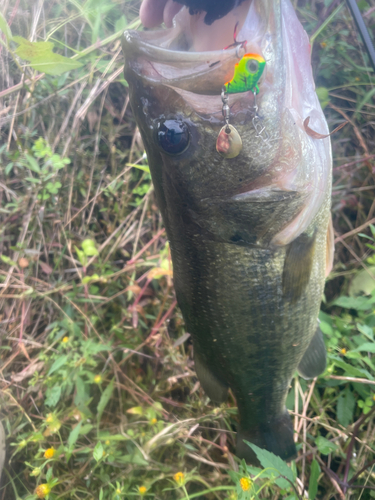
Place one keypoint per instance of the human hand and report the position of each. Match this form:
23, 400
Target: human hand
154, 12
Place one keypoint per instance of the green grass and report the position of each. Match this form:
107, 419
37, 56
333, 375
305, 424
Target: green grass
99, 398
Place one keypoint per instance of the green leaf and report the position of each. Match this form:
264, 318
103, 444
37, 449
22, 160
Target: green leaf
134, 458
235, 476
269, 460
94, 348
368, 97
323, 96
136, 410
366, 347
363, 5
33, 164
145, 168
115, 437
89, 248
105, 397
322, 93
73, 436
359, 303
86, 429
82, 396
8, 260
44, 196
8, 168
120, 23
352, 371
326, 328
53, 395
49, 474
4, 27
81, 256
53, 187
87, 279
363, 282
366, 330
32, 180
59, 362
98, 451
313, 482
42, 58
345, 407
324, 445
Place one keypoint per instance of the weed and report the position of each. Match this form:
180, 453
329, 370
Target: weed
99, 399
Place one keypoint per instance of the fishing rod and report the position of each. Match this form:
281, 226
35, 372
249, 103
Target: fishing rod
363, 31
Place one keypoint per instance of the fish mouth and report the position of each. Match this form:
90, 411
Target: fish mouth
193, 56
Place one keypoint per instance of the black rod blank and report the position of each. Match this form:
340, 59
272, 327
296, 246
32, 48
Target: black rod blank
352, 4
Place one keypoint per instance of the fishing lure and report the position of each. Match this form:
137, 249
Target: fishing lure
247, 73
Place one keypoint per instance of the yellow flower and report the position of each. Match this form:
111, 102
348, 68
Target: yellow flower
36, 472
50, 453
373, 397
179, 477
42, 490
108, 442
65, 340
323, 45
153, 421
142, 490
118, 491
245, 483
343, 351
98, 379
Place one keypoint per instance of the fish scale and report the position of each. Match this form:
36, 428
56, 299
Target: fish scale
248, 235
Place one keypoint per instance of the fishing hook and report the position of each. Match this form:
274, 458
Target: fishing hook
236, 43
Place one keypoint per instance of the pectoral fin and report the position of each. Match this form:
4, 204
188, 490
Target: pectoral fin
214, 389
297, 266
314, 360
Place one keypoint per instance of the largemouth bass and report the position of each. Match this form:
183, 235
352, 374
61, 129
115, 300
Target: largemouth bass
249, 235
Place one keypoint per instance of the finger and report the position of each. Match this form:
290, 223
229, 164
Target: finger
151, 12
170, 10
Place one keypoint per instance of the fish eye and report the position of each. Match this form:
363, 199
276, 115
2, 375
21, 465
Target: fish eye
253, 66
173, 136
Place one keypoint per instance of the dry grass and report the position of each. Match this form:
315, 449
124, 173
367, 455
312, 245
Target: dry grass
147, 412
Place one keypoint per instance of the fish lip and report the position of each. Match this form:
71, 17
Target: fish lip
136, 42
202, 73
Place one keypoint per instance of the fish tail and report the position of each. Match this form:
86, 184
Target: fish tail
275, 435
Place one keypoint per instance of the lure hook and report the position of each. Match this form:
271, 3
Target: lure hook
235, 42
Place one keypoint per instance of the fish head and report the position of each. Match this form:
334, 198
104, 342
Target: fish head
176, 77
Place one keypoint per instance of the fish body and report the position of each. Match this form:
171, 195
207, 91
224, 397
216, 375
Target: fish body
246, 74
248, 235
